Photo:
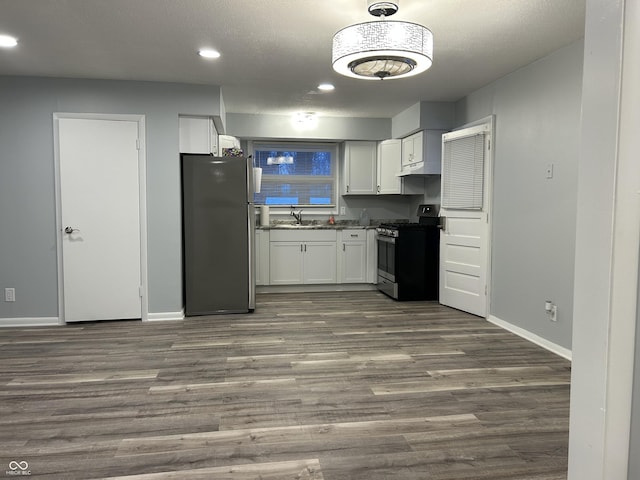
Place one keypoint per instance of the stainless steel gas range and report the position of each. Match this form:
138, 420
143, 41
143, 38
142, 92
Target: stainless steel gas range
409, 255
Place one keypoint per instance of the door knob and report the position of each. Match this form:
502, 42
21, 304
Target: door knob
70, 230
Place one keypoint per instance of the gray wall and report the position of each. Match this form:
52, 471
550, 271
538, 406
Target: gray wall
27, 208
634, 444
259, 127
537, 112
423, 116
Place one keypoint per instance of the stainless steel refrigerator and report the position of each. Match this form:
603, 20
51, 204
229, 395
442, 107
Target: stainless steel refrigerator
218, 234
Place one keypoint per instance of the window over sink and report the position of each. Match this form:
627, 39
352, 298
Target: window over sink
297, 174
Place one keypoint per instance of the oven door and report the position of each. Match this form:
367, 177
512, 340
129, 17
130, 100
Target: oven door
387, 258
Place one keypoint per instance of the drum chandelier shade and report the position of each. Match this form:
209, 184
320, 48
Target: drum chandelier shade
382, 49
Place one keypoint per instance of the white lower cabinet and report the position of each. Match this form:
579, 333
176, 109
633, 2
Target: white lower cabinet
353, 256
319, 263
372, 256
302, 257
262, 257
287, 261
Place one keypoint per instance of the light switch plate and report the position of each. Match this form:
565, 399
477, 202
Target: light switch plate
9, 294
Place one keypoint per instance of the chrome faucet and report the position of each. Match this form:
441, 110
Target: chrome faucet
297, 216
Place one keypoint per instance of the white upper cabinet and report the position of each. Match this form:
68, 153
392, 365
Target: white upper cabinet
360, 173
372, 168
389, 165
421, 153
412, 149
198, 135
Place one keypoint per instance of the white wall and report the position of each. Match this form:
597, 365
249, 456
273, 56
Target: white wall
537, 120
608, 236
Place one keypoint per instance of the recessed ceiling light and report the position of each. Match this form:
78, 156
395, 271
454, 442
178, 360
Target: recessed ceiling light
326, 87
7, 41
209, 53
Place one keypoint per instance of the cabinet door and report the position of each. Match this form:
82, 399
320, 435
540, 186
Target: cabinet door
360, 168
389, 164
257, 257
412, 149
286, 265
372, 257
197, 135
354, 262
320, 262
262, 257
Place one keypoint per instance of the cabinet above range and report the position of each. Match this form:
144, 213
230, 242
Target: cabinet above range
421, 153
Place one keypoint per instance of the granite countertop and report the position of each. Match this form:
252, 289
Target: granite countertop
323, 225
313, 226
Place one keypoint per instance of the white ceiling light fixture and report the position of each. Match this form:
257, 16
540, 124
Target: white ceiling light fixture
326, 87
382, 49
7, 41
305, 120
209, 53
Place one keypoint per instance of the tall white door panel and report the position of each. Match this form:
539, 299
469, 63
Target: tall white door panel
100, 219
464, 239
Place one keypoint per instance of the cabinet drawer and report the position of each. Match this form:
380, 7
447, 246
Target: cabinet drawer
354, 235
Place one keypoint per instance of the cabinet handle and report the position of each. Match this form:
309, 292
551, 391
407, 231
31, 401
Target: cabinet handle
305, 247
354, 235
378, 188
343, 248
301, 247
347, 188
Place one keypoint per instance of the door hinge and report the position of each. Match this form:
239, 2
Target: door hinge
137, 144
489, 144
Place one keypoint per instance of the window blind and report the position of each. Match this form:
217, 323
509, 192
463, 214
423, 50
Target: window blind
296, 174
463, 173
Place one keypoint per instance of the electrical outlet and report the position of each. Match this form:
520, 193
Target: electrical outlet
549, 170
9, 294
343, 210
552, 310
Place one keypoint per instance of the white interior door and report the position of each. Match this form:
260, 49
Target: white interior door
100, 219
464, 239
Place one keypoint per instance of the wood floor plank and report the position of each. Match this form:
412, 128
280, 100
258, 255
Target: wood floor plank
293, 470
331, 386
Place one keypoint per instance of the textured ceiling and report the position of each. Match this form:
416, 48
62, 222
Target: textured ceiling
276, 52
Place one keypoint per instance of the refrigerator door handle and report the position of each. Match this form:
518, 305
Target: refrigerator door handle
251, 229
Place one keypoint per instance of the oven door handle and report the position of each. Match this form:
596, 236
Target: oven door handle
386, 239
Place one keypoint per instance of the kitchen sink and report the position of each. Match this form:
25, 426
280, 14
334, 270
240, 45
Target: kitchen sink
295, 226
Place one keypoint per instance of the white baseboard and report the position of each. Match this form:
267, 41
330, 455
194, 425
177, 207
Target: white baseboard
532, 337
165, 316
341, 287
30, 322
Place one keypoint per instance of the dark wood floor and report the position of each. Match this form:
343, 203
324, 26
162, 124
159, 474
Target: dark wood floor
311, 386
